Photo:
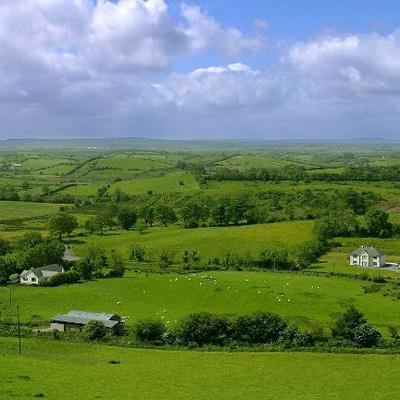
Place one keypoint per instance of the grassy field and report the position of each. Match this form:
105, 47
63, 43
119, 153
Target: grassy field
214, 241
66, 370
310, 301
19, 210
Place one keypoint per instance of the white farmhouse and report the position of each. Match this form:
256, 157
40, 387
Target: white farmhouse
366, 256
37, 276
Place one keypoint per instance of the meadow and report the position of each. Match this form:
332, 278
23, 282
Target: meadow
63, 370
309, 301
209, 241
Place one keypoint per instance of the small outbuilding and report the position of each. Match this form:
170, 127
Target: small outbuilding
37, 276
368, 257
77, 320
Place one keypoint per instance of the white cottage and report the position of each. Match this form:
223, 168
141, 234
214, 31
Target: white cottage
369, 257
37, 276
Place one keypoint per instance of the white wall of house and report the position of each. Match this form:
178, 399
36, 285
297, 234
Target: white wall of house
365, 260
30, 279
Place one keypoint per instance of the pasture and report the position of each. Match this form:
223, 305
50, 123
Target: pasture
63, 370
209, 242
309, 301
12, 210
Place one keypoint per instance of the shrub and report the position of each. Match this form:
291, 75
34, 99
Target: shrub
203, 328
165, 258
149, 330
366, 336
63, 278
259, 328
347, 323
138, 253
94, 330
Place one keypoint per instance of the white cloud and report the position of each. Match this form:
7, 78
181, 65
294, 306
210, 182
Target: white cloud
75, 67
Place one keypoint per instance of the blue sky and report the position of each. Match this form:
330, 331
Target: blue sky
200, 69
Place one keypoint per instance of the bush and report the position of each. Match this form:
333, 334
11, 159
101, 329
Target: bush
94, 330
347, 324
138, 253
149, 331
63, 278
203, 328
259, 328
366, 336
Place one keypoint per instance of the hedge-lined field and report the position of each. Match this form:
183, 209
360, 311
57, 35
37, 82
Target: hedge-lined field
311, 301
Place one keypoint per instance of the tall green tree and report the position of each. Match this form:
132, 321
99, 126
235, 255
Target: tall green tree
62, 223
166, 214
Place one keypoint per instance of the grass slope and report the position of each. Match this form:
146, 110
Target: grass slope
77, 371
310, 301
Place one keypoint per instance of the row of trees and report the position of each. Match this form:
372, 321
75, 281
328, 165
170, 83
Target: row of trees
345, 223
349, 330
299, 173
273, 257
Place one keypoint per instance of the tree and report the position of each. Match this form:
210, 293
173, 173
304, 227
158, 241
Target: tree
347, 323
149, 331
203, 328
94, 330
119, 196
366, 336
261, 327
127, 218
148, 214
193, 213
166, 258
166, 214
116, 263
109, 216
238, 210
62, 223
378, 224
274, 257
92, 262
308, 252
8, 267
220, 213
141, 226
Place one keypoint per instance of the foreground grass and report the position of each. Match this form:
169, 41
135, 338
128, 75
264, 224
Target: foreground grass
70, 371
309, 301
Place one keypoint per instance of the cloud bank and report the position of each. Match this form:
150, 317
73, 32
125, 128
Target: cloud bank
77, 68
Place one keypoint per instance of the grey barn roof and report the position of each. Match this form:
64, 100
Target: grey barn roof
83, 317
371, 251
39, 271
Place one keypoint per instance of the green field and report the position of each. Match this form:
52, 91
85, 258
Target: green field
10, 210
311, 301
209, 242
76, 371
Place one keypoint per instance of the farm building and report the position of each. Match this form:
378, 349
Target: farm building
76, 321
366, 256
37, 276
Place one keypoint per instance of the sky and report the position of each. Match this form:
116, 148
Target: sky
201, 69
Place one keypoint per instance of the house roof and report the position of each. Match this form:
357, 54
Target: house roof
83, 317
371, 251
39, 271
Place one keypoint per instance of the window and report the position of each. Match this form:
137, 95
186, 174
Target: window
33, 279
25, 278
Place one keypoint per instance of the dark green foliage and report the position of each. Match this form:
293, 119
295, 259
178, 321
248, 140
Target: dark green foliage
148, 214
63, 278
378, 224
274, 258
203, 328
308, 252
149, 331
94, 330
347, 323
166, 214
127, 218
62, 223
4, 247
366, 336
92, 262
193, 213
261, 327
166, 258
